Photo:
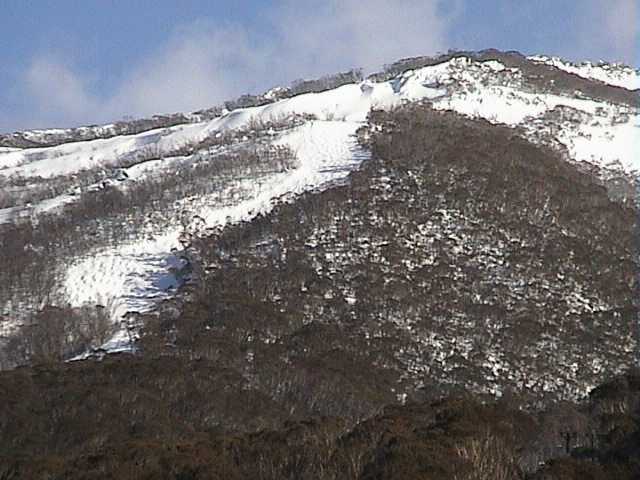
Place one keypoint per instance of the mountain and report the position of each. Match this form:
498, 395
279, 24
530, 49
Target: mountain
395, 276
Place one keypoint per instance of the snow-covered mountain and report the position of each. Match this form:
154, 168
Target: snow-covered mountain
431, 272
599, 126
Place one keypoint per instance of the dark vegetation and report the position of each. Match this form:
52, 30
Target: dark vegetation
298, 87
16, 191
130, 418
54, 334
460, 255
328, 82
363, 332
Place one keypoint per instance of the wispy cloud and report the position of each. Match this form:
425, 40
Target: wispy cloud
204, 63
609, 30
200, 65
622, 23
346, 33
54, 87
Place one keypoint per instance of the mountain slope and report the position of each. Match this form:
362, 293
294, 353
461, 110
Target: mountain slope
459, 255
313, 338
432, 272
598, 126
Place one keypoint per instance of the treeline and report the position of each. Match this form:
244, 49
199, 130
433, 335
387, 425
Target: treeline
298, 87
51, 138
328, 82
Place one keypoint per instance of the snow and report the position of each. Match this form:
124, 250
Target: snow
599, 138
618, 145
134, 276
351, 103
46, 206
616, 75
71, 158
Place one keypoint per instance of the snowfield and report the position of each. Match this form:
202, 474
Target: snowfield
134, 276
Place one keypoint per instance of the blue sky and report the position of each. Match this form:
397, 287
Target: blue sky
72, 62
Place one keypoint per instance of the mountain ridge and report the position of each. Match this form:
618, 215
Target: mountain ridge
615, 75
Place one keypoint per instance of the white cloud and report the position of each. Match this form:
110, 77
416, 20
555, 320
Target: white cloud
338, 34
203, 63
54, 87
608, 31
621, 21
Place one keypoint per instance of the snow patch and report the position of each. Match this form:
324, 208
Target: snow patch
615, 74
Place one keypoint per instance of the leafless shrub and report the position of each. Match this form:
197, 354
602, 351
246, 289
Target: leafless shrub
488, 457
55, 334
327, 82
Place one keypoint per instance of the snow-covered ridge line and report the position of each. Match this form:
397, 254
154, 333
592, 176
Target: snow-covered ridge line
460, 84
612, 74
350, 102
48, 137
